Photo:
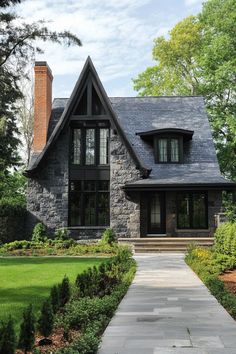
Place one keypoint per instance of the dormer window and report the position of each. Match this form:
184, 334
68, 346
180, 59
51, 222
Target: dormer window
168, 150
168, 143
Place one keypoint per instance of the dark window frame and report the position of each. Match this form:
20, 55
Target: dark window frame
191, 213
168, 138
83, 192
84, 126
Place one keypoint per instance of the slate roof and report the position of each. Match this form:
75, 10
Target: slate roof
140, 114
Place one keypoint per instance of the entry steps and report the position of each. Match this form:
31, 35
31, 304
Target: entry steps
165, 244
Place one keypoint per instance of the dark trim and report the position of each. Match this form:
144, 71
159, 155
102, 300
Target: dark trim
187, 134
162, 229
88, 69
168, 138
176, 187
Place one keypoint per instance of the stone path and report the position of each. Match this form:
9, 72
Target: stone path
168, 310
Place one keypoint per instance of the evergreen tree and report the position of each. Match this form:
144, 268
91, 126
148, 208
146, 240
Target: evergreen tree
7, 337
27, 330
46, 319
54, 296
16, 50
64, 291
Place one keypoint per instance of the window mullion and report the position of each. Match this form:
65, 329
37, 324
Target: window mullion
191, 209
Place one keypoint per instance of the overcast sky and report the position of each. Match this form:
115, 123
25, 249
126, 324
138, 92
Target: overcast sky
117, 34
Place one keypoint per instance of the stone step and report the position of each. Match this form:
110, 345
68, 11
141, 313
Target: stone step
166, 244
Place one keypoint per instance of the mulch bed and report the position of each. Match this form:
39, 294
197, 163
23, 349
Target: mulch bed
229, 279
58, 341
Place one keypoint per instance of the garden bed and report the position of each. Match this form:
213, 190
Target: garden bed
229, 279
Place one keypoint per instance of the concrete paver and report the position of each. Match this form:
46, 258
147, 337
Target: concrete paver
168, 310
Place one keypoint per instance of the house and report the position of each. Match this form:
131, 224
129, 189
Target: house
145, 166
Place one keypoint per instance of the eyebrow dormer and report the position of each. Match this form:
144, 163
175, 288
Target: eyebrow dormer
168, 143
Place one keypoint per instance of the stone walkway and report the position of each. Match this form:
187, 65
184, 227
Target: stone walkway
168, 310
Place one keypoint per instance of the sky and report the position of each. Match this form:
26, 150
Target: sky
117, 34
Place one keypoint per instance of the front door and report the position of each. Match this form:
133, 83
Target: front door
156, 214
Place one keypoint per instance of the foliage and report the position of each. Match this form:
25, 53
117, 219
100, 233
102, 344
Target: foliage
176, 72
54, 296
27, 330
39, 233
57, 247
62, 234
16, 49
90, 311
229, 206
13, 187
27, 280
45, 323
64, 291
108, 237
12, 207
199, 58
225, 239
208, 265
7, 337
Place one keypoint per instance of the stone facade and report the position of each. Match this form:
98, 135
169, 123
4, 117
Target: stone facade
48, 192
124, 214
47, 195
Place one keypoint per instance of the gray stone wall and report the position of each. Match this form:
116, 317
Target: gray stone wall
124, 214
47, 194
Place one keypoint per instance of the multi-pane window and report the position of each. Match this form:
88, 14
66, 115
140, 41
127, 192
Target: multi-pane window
192, 210
168, 150
90, 146
104, 144
89, 203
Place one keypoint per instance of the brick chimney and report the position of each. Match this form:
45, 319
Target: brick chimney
42, 103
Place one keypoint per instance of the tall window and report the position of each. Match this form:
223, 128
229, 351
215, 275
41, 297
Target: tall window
90, 146
192, 210
168, 150
89, 203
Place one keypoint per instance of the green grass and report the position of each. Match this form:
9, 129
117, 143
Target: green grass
27, 280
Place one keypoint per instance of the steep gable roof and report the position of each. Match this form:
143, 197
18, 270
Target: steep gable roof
54, 132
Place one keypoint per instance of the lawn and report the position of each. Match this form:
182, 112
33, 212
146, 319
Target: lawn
27, 280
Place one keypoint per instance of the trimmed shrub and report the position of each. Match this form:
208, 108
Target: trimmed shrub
108, 237
27, 330
64, 291
62, 234
39, 233
45, 323
7, 337
54, 296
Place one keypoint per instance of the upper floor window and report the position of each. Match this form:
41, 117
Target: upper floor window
90, 102
168, 150
90, 145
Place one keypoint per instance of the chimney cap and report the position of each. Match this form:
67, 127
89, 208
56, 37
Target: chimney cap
43, 63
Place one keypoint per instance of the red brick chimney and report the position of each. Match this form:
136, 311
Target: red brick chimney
42, 103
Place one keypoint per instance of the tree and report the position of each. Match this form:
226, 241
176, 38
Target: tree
218, 18
177, 71
27, 330
25, 117
46, 319
200, 58
16, 49
7, 337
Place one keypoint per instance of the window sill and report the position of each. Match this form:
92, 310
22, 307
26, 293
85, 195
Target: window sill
88, 227
189, 230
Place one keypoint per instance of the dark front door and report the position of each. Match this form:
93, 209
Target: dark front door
156, 214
